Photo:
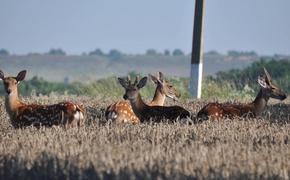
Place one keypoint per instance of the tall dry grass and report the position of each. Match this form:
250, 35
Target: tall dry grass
230, 149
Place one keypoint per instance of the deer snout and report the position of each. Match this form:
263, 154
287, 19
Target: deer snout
8, 91
125, 97
283, 97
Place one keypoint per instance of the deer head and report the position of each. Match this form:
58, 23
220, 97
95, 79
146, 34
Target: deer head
268, 88
10, 83
164, 86
132, 89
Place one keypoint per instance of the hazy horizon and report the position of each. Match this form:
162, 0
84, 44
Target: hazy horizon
134, 26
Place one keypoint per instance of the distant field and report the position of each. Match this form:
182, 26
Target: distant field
89, 68
230, 149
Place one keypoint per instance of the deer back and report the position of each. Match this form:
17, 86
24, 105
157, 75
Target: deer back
217, 111
160, 113
67, 114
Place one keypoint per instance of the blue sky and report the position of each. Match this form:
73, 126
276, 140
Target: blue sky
133, 26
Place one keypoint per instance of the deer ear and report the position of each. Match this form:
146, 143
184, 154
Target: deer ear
123, 82
142, 83
262, 82
21, 75
1, 75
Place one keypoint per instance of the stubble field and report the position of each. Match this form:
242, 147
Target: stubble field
229, 149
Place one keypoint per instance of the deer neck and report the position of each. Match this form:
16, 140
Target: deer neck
138, 106
260, 102
12, 103
158, 99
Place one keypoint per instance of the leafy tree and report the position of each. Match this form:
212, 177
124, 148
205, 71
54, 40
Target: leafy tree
242, 53
166, 52
4, 52
212, 53
151, 52
177, 52
33, 54
251, 53
97, 52
233, 53
115, 54
57, 52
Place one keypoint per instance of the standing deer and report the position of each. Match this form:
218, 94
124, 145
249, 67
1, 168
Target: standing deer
122, 111
145, 112
22, 114
216, 111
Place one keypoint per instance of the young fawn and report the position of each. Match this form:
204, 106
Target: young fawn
122, 111
216, 111
145, 112
21, 114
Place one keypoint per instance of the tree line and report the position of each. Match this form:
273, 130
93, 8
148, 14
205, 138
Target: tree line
116, 54
236, 78
99, 52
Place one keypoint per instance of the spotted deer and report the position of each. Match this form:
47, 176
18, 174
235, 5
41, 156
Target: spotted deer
122, 111
216, 111
21, 114
145, 112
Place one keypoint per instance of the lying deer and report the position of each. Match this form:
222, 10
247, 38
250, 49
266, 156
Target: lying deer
149, 113
268, 90
21, 114
122, 111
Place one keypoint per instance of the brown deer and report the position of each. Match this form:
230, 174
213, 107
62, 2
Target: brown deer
216, 111
122, 111
22, 114
149, 113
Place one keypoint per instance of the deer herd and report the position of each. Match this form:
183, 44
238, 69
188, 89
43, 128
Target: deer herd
132, 109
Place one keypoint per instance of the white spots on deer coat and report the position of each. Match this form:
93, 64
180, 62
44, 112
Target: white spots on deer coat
48, 115
121, 111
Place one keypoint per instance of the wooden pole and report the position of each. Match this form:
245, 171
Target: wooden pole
197, 50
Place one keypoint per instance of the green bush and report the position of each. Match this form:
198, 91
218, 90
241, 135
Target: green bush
279, 70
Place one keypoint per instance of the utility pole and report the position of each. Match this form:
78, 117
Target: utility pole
197, 50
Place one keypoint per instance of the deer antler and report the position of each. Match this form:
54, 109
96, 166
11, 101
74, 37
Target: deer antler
267, 75
161, 76
129, 79
136, 80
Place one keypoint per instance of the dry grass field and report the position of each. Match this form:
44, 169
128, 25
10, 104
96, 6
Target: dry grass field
229, 149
